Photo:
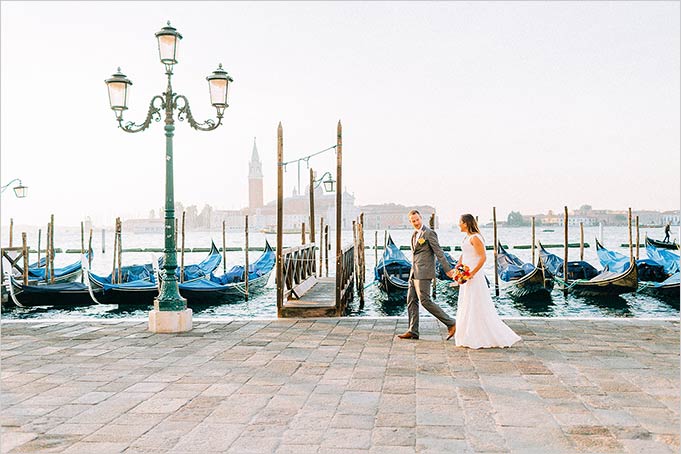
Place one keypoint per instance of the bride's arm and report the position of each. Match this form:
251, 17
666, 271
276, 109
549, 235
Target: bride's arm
480, 252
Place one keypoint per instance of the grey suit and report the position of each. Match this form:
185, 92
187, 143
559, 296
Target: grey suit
425, 248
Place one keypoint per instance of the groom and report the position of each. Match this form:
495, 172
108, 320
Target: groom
425, 248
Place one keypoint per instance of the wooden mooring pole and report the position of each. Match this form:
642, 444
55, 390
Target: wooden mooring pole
40, 234
327, 246
82, 245
52, 249
631, 241
312, 224
339, 215
246, 259
638, 238
496, 262
182, 250
224, 249
302, 233
581, 241
11, 230
24, 252
321, 243
565, 251
115, 248
280, 218
90, 253
534, 240
431, 223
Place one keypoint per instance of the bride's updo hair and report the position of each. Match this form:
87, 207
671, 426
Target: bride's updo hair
471, 223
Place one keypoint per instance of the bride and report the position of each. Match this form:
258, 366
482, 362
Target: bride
477, 323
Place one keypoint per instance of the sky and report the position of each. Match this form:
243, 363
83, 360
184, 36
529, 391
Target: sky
525, 106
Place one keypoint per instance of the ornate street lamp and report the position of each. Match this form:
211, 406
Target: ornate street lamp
19, 190
169, 301
328, 183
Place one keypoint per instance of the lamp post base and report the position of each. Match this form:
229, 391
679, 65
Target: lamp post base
169, 322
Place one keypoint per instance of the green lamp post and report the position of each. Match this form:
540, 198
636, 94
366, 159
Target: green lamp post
169, 299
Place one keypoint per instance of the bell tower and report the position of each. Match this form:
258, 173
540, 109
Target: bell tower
255, 193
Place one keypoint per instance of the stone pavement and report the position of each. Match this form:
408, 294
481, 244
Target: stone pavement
338, 386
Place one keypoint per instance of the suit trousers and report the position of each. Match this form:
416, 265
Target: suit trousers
419, 292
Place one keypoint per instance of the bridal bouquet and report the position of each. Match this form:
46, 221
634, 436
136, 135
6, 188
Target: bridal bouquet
462, 273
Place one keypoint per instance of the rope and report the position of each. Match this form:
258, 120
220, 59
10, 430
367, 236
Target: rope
306, 158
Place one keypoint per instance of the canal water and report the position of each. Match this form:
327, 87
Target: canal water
263, 305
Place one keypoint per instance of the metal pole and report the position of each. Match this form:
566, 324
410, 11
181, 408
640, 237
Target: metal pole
169, 299
280, 218
496, 242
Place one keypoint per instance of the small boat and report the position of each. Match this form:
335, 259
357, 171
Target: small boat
60, 295
668, 259
585, 280
199, 270
217, 289
669, 288
648, 269
138, 286
392, 271
440, 271
663, 244
68, 273
523, 280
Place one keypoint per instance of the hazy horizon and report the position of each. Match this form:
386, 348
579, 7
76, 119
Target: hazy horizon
460, 105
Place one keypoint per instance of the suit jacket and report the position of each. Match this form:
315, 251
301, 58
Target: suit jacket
425, 248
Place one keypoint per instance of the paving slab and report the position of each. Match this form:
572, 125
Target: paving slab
344, 385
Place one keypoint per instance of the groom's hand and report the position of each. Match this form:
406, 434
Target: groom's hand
450, 274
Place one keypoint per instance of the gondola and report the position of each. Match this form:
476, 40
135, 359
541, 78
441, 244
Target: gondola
68, 273
217, 289
663, 244
392, 271
668, 259
585, 280
199, 270
138, 286
60, 295
648, 269
523, 280
669, 288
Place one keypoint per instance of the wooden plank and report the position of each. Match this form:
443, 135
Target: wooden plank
301, 289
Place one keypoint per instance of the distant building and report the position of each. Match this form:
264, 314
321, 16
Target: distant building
255, 191
393, 216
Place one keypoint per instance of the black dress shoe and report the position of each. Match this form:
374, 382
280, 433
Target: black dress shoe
408, 335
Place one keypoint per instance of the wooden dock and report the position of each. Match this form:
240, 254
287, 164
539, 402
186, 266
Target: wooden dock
318, 301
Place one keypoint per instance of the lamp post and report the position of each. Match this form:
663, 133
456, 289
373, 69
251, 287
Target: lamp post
19, 190
328, 183
170, 312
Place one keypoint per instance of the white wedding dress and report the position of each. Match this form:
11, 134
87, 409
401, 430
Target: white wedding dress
477, 323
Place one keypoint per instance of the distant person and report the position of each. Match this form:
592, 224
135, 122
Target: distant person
478, 324
425, 247
667, 231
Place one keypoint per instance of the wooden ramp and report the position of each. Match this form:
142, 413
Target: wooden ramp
318, 301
